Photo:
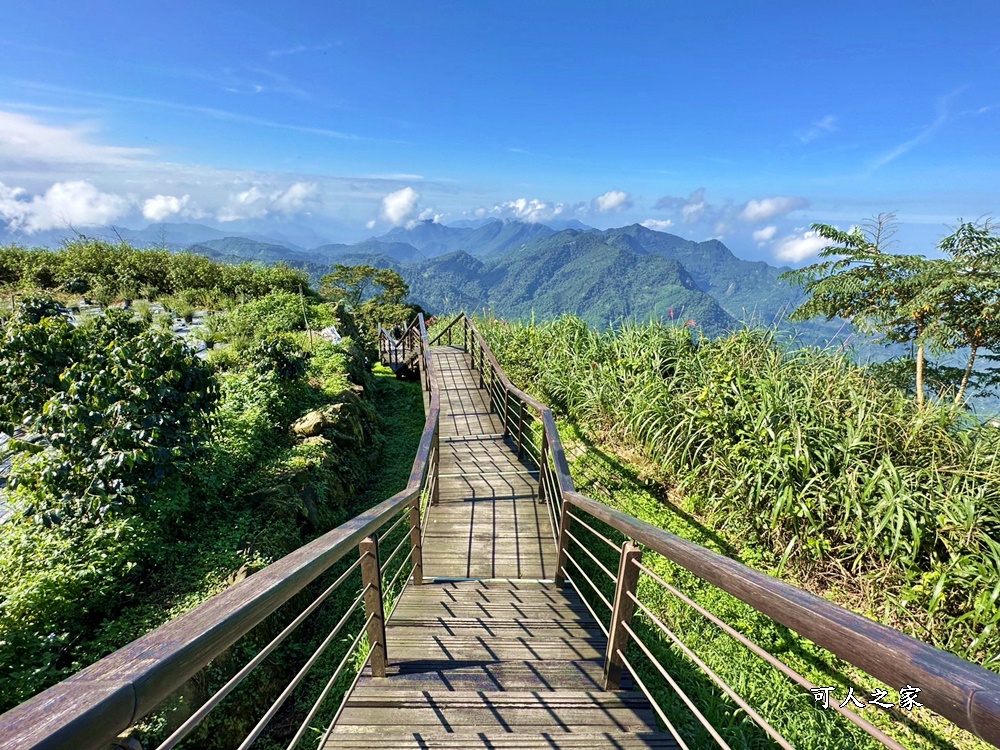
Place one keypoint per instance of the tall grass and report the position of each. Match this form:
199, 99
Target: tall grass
800, 456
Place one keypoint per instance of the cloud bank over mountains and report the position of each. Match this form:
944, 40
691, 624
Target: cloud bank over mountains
61, 176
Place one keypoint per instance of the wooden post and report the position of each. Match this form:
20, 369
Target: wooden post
416, 548
435, 465
371, 577
465, 335
621, 615
520, 428
482, 381
562, 557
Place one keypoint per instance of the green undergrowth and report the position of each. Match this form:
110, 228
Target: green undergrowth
398, 413
798, 464
612, 479
152, 480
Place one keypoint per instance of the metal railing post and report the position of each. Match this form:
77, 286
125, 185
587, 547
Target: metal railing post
543, 467
562, 556
505, 413
371, 579
621, 614
520, 429
416, 547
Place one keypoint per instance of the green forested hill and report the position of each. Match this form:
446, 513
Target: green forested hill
580, 275
519, 269
434, 239
743, 288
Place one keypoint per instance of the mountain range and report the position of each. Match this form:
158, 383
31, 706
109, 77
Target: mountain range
518, 269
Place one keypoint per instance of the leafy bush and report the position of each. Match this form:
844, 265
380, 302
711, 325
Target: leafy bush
124, 409
109, 272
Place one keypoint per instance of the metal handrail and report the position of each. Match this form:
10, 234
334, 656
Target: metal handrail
91, 708
964, 693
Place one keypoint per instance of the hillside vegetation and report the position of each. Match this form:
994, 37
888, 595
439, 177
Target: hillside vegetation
799, 455
145, 478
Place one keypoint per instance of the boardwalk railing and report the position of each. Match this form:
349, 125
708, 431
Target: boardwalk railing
964, 693
95, 706
404, 351
600, 551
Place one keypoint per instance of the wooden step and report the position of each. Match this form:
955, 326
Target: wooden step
421, 674
493, 740
567, 710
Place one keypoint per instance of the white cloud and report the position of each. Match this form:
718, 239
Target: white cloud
798, 247
370, 224
162, 207
296, 198
533, 211
658, 225
64, 204
613, 200
697, 212
817, 129
256, 202
765, 235
692, 209
25, 140
400, 206
765, 209
428, 215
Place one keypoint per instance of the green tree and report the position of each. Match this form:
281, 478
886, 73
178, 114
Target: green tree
372, 296
880, 292
348, 285
964, 289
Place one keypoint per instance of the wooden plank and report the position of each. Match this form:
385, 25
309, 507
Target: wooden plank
422, 674
493, 740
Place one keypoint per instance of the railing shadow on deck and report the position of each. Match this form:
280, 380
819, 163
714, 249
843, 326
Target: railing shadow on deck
91, 708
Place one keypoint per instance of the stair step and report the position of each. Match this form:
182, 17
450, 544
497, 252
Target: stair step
423, 674
468, 739
372, 708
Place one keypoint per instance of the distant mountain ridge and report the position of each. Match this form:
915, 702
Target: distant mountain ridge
517, 269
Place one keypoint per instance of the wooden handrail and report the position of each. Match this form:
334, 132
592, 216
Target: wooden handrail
551, 433
91, 708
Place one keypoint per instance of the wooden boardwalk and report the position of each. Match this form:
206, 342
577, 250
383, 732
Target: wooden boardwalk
488, 653
489, 522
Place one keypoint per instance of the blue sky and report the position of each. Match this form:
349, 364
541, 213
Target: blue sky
744, 121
